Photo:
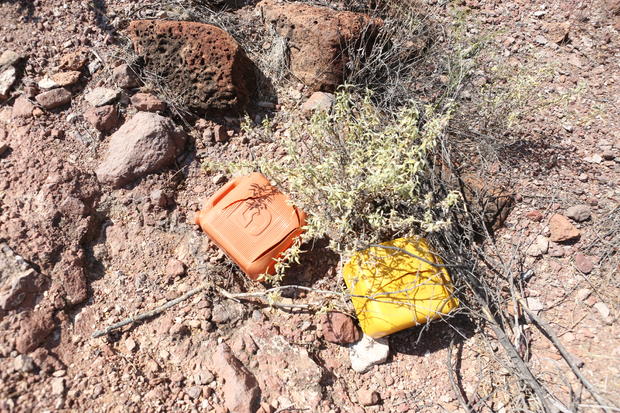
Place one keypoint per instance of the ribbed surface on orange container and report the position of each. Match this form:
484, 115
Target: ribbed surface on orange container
252, 222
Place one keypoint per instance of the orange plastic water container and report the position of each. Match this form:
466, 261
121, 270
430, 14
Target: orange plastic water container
398, 284
252, 222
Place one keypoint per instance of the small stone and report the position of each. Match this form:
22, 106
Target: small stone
3, 148
339, 328
539, 247
218, 179
9, 58
125, 77
582, 294
66, 78
103, 118
540, 39
100, 96
54, 98
556, 250
534, 215
368, 352
94, 66
130, 345
579, 213
7, 79
47, 83
603, 310
227, 312
22, 108
318, 102
534, 304
367, 397
148, 102
240, 389
57, 134
583, 263
558, 32
561, 229
596, 158
75, 60
193, 392
609, 155
58, 386
174, 269
24, 363
158, 198
219, 134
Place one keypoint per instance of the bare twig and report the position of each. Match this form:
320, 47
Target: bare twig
149, 314
451, 376
547, 331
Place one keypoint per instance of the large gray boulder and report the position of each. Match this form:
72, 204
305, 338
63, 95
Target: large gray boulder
146, 143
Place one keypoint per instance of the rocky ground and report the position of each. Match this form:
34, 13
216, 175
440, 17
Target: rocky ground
100, 181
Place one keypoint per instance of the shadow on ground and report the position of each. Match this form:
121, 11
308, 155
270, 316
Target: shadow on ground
25, 7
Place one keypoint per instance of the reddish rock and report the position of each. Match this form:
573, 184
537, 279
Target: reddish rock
220, 134
33, 330
75, 60
534, 215
174, 268
147, 102
317, 37
103, 118
66, 78
72, 277
203, 63
241, 391
584, 263
318, 102
125, 77
22, 108
339, 328
54, 98
562, 229
144, 144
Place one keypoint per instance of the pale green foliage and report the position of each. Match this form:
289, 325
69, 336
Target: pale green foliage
360, 173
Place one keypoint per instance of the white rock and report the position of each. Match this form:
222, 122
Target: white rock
538, 247
7, 78
58, 385
47, 83
23, 363
368, 352
100, 96
543, 243
534, 304
603, 310
582, 294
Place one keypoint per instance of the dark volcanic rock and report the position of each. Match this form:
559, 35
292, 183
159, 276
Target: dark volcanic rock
203, 63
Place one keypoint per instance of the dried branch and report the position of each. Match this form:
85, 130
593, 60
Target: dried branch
149, 314
547, 331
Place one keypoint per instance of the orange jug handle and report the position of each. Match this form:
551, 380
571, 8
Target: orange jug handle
222, 192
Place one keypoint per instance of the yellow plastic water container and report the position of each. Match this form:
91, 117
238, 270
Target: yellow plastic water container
392, 290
